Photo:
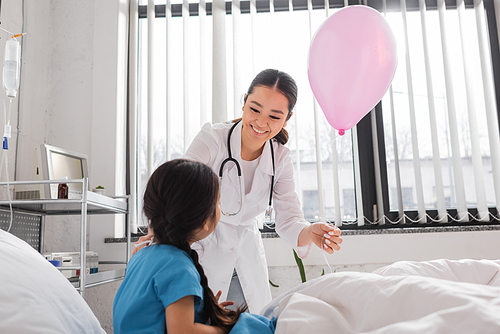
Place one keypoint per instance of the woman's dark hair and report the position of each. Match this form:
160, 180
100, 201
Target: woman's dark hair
181, 195
282, 82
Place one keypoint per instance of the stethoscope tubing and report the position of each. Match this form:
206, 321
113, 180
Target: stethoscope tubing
231, 159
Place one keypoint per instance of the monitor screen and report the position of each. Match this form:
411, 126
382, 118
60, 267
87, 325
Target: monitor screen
58, 163
65, 165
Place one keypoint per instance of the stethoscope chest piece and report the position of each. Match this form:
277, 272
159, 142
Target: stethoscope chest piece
269, 213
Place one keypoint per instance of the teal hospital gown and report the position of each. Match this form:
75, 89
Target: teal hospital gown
156, 277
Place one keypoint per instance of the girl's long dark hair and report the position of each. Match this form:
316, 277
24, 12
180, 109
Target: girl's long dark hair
180, 197
282, 82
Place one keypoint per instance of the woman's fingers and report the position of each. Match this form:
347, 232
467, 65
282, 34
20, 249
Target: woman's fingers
332, 238
324, 228
328, 237
330, 245
334, 243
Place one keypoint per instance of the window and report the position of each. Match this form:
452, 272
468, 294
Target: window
349, 204
408, 122
310, 204
441, 104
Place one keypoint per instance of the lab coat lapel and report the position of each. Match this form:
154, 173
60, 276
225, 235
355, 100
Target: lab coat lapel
266, 162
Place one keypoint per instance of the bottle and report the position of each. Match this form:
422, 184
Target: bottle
62, 189
11, 67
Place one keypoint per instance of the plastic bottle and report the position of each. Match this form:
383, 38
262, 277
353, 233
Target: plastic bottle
62, 189
11, 67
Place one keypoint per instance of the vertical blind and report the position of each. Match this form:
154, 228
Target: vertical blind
439, 142
456, 144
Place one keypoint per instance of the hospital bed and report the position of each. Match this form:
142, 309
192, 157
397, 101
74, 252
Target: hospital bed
440, 296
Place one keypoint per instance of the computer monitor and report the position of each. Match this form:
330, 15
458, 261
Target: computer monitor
58, 163
53, 163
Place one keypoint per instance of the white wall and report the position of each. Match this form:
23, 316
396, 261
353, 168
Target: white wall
73, 96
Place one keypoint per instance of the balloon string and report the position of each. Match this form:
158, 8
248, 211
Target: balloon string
341, 158
341, 161
334, 139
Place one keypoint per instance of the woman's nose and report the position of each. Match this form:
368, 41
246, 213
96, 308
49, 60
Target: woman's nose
260, 120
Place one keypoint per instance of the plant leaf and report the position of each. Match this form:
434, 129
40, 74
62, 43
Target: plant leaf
273, 285
301, 267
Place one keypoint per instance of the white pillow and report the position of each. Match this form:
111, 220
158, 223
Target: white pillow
35, 297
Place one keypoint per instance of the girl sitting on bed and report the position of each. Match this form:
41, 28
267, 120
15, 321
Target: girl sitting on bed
165, 288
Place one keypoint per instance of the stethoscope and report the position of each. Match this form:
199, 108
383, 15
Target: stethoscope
230, 158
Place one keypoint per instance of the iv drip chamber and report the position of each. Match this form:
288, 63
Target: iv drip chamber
11, 67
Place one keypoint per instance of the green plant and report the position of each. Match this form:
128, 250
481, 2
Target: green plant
99, 187
301, 267
302, 271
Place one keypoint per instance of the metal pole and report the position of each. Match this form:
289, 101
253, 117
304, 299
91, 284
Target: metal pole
83, 237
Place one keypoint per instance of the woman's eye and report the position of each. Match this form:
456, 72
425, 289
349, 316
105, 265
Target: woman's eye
254, 110
274, 117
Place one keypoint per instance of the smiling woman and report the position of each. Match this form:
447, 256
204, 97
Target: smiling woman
262, 120
256, 142
268, 106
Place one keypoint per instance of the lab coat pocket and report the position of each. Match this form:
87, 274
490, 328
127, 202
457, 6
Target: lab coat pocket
230, 191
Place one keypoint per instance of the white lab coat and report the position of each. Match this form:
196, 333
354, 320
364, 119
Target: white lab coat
236, 241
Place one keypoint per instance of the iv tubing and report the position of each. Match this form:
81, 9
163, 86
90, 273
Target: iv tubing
6, 115
8, 191
5, 158
8, 32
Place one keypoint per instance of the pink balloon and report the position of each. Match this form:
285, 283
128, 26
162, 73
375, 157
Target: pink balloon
352, 60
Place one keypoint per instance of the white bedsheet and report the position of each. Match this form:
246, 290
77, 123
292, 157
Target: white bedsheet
351, 302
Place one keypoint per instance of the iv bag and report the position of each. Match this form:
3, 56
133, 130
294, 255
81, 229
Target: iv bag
11, 66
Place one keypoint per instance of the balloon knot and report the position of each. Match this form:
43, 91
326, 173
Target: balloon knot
341, 132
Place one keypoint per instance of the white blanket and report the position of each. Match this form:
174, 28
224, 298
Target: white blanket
35, 297
458, 297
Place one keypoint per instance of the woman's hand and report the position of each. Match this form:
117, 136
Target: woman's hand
323, 235
326, 237
143, 242
223, 304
